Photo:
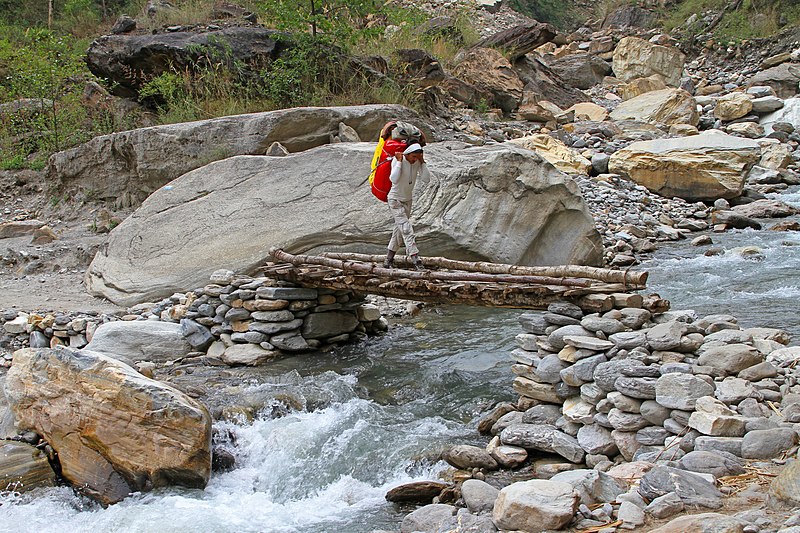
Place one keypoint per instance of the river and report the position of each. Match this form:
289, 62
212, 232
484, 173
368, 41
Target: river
392, 402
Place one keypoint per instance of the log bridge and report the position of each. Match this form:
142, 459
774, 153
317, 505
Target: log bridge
447, 281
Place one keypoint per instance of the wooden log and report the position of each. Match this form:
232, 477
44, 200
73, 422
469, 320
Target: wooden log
520, 40
636, 280
394, 273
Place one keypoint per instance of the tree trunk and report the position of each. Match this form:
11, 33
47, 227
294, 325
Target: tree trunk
49, 14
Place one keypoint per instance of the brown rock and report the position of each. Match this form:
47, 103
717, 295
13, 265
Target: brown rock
24, 468
9, 230
667, 106
490, 71
639, 86
637, 58
786, 487
115, 431
519, 40
43, 235
421, 492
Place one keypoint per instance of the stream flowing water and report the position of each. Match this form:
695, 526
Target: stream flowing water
393, 402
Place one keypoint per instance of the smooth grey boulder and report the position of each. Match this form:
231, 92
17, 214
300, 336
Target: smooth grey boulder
767, 443
499, 203
690, 488
430, 519
140, 340
478, 495
535, 505
329, 324
595, 439
135, 163
718, 463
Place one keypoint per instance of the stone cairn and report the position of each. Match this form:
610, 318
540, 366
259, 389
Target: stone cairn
625, 413
235, 320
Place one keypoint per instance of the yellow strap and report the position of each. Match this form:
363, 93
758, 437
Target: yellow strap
376, 158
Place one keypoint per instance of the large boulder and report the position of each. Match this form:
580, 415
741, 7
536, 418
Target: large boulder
489, 70
784, 79
140, 340
499, 203
130, 61
667, 106
115, 431
545, 84
561, 156
637, 58
581, 70
700, 167
132, 164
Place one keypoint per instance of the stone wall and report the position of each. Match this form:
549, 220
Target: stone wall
236, 319
631, 385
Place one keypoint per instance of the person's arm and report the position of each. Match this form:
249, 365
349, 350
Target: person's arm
397, 166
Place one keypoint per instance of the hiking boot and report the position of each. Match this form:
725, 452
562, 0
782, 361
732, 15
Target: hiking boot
389, 261
418, 263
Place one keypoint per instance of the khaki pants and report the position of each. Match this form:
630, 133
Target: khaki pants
401, 211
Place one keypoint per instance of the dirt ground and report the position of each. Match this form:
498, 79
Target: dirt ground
48, 277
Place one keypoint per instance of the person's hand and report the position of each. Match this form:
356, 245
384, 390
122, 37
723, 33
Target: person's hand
398, 156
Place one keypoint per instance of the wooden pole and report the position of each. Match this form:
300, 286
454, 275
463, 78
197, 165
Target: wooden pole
49, 14
394, 273
637, 279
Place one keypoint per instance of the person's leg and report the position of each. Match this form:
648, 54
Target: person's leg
402, 222
395, 240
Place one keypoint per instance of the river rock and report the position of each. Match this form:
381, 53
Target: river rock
467, 457
680, 391
667, 106
140, 340
557, 153
137, 162
767, 443
535, 505
786, 487
506, 456
784, 79
733, 105
581, 70
479, 496
247, 354
82, 403
592, 486
595, 439
543, 438
637, 58
701, 167
640, 86
430, 519
690, 488
765, 208
416, 492
329, 324
24, 467
718, 463
731, 358
703, 523
266, 193
488, 70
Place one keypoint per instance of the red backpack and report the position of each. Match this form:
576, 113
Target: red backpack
382, 166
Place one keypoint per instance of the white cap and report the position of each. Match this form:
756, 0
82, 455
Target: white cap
416, 147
